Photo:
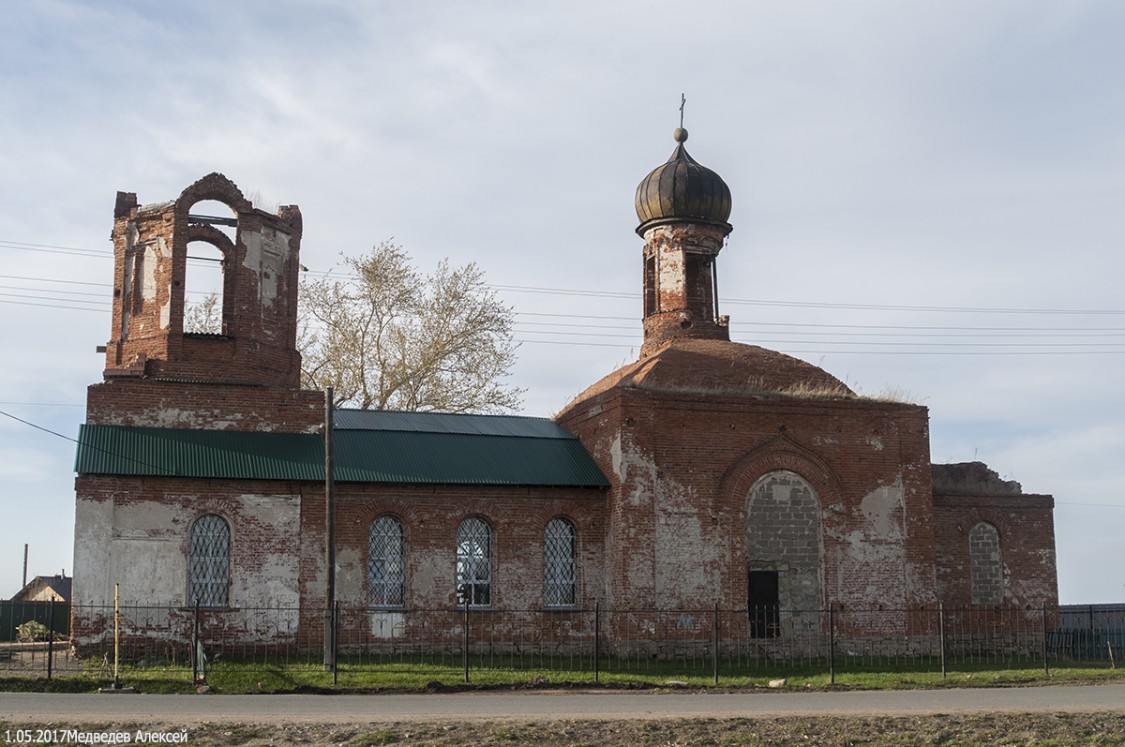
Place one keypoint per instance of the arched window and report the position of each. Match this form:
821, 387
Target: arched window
212, 236
209, 562
386, 563
986, 570
203, 289
474, 562
559, 576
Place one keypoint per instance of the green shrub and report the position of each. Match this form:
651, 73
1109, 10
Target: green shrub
31, 631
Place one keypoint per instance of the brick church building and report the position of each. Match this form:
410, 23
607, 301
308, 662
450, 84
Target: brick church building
706, 473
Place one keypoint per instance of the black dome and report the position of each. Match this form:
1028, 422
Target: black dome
682, 190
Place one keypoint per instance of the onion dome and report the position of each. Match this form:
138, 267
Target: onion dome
682, 190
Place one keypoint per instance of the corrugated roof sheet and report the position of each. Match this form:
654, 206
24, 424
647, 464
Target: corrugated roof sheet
444, 422
406, 455
181, 452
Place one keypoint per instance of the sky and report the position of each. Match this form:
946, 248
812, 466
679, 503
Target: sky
929, 199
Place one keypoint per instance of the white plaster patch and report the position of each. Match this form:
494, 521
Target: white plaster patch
781, 493
671, 273
630, 463
686, 552
387, 625
92, 525
275, 583
171, 417
879, 508
349, 574
434, 571
149, 261
266, 252
874, 442
615, 457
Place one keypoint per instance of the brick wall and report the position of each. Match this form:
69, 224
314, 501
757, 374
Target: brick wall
1025, 528
157, 403
682, 466
135, 532
260, 265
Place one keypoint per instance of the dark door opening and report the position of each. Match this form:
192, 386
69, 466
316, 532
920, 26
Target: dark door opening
765, 619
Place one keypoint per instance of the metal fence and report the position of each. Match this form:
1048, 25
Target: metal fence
583, 642
55, 615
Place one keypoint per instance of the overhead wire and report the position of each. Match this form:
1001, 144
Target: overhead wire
87, 445
919, 338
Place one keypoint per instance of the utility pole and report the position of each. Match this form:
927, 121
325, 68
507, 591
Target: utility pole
330, 540
24, 566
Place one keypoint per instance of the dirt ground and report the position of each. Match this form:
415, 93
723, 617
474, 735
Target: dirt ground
1053, 730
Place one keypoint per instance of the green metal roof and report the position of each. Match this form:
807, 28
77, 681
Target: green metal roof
182, 452
401, 448
447, 422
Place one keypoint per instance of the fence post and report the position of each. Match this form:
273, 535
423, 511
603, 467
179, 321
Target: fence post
335, 640
1046, 665
941, 634
116, 633
715, 644
597, 640
465, 656
831, 645
50, 636
196, 647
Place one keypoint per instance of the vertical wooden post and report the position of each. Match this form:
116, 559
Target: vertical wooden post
1046, 664
51, 636
831, 645
715, 645
196, 646
329, 539
597, 640
941, 635
335, 640
465, 657
116, 634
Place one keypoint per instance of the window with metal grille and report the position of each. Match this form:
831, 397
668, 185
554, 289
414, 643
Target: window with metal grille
386, 563
559, 578
209, 562
474, 562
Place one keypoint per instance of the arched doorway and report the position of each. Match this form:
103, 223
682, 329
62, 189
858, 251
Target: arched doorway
783, 555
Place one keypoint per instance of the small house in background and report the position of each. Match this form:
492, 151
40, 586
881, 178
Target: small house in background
45, 589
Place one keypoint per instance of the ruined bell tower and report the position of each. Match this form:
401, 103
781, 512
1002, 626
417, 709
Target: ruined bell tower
254, 341
243, 371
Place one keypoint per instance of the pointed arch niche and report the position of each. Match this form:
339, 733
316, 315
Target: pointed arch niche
781, 488
783, 555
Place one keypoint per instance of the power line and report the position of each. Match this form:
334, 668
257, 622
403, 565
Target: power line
88, 446
45, 404
56, 280
55, 306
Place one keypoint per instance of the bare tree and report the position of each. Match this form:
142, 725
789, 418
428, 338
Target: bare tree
204, 316
386, 337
